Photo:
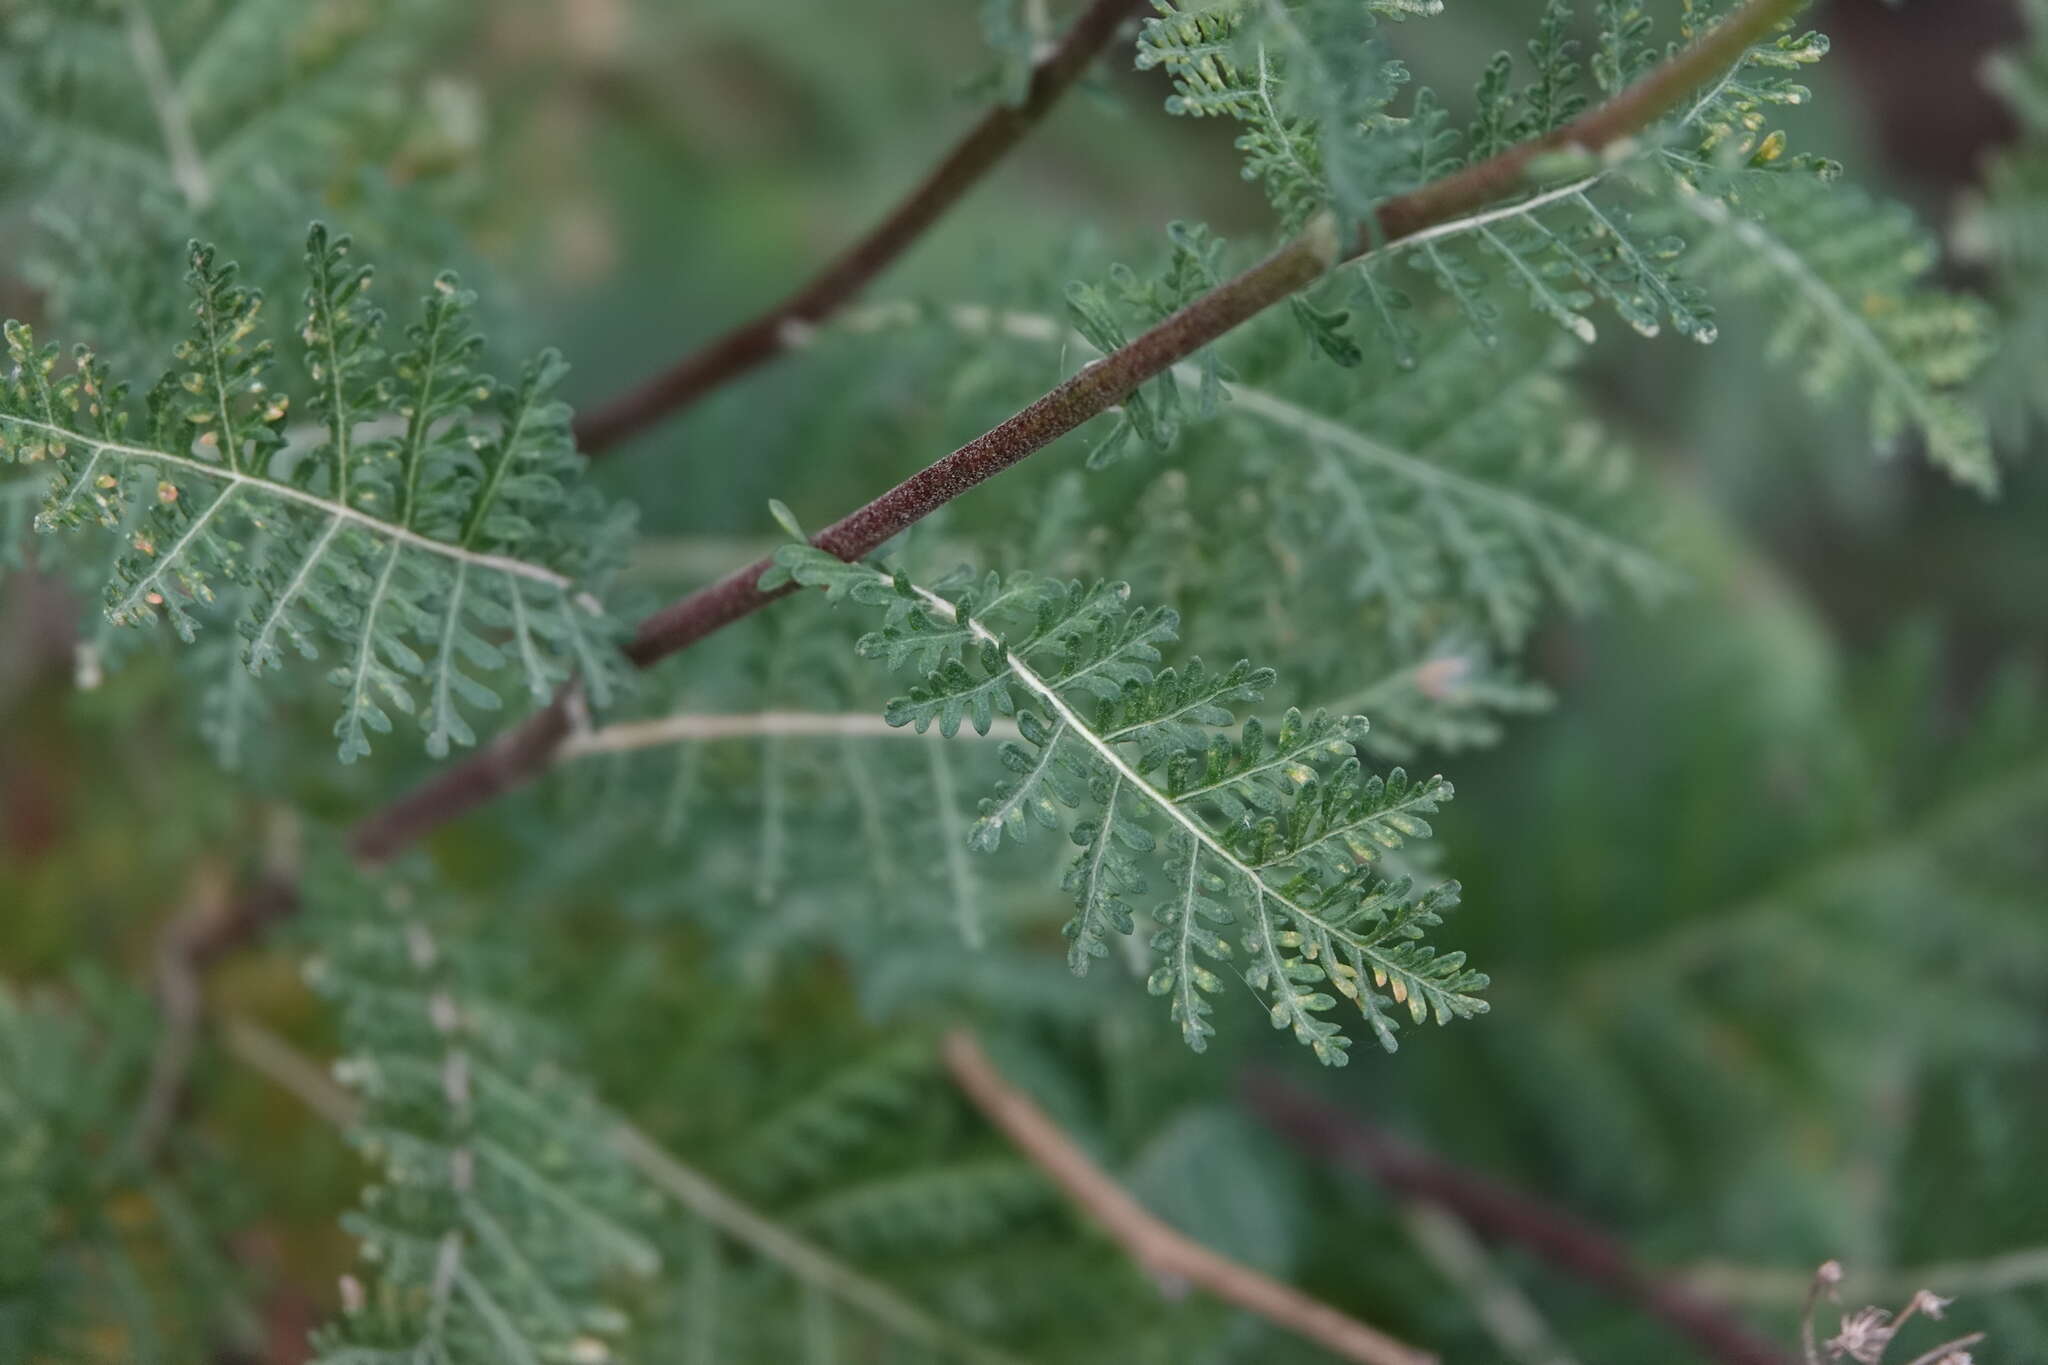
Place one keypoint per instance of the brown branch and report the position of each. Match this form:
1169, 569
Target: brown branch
1157, 1248
754, 343
525, 752
510, 761
1559, 1237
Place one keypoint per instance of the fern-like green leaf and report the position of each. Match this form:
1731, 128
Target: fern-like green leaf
138, 124
95, 1246
1469, 478
1014, 31
1278, 836
504, 1211
433, 535
2007, 228
1309, 81
938, 1208
1847, 274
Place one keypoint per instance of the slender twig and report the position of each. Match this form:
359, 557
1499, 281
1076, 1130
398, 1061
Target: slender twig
1948, 1350
277, 1060
1157, 1248
290, 1070
1894, 851
760, 340
1768, 1287
211, 924
179, 1000
699, 728
336, 512
1564, 1241
700, 1195
188, 168
1820, 1285
1503, 1310
525, 752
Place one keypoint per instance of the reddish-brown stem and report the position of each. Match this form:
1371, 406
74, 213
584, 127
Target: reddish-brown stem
1562, 1240
761, 339
1093, 391
526, 751
508, 762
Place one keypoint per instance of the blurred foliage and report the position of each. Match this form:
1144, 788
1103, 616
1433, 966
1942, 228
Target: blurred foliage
1757, 873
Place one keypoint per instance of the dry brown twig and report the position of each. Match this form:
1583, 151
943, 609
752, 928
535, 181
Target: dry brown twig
1159, 1249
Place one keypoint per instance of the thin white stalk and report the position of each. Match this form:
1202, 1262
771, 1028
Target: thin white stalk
701, 728
1128, 776
1187, 970
1768, 1287
1473, 222
263, 643
959, 870
188, 168
150, 584
1516, 1325
518, 568
366, 650
284, 1066
1949, 1351
808, 1263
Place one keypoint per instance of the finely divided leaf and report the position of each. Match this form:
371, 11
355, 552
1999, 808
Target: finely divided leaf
431, 542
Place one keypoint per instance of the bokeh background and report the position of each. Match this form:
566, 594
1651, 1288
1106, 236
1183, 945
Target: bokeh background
1762, 892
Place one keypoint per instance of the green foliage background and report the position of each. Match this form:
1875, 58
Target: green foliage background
1760, 893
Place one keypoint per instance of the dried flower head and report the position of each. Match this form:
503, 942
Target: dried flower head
1864, 1338
1867, 1333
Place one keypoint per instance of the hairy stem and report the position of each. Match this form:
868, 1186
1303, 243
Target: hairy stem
760, 340
1156, 1247
525, 752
